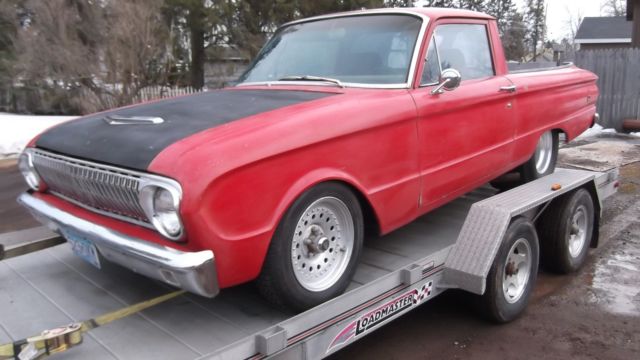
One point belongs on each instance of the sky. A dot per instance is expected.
(559, 13)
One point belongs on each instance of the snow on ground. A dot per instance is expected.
(636, 134)
(17, 130)
(595, 131)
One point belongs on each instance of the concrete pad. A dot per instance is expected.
(600, 154)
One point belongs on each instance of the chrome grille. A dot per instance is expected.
(98, 187)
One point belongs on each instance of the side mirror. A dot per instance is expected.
(450, 79)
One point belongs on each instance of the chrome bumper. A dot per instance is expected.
(192, 271)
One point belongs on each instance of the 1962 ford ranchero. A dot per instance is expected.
(365, 118)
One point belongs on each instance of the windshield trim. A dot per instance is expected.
(414, 59)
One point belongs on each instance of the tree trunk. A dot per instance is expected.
(635, 42)
(197, 57)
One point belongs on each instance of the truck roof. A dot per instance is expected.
(437, 13)
(431, 12)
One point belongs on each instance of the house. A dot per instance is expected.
(633, 7)
(604, 32)
(224, 65)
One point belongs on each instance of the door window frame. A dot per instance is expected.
(430, 36)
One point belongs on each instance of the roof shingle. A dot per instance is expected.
(593, 28)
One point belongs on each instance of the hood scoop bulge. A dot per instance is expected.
(132, 120)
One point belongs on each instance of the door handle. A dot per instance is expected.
(509, 88)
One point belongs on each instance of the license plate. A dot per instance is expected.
(83, 248)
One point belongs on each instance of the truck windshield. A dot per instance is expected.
(368, 50)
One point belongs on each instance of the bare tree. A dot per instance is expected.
(137, 51)
(572, 24)
(573, 21)
(9, 16)
(92, 55)
(614, 7)
(536, 19)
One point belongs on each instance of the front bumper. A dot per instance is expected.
(192, 271)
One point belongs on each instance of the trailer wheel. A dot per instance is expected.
(315, 249)
(566, 229)
(513, 273)
(543, 161)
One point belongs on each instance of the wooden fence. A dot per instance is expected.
(619, 82)
(154, 93)
(34, 100)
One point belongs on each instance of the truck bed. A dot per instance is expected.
(519, 68)
(53, 287)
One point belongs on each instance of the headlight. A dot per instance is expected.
(25, 164)
(161, 203)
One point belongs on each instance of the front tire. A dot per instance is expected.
(543, 161)
(513, 274)
(315, 249)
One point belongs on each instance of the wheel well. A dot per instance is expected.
(371, 224)
(561, 133)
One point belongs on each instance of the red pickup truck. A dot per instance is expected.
(343, 125)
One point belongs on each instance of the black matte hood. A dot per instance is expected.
(135, 145)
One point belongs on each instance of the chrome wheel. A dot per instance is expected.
(322, 244)
(578, 231)
(516, 271)
(544, 153)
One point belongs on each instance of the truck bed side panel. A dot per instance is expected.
(563, 99)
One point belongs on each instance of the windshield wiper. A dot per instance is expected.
(312, 78)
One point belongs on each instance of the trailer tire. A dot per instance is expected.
(543, 161)
(315, 249)
(566, 230)
(508, 290)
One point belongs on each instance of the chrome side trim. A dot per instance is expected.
(192, 271)
(414, 61)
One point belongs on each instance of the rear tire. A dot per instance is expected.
(543, 161)
(315, 249)
(566, 230)
(513, 274)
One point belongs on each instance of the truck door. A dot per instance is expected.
(466, 134)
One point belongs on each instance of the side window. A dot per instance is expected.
(464, 47)
(431, 72)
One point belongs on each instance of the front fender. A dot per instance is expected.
(240, 211)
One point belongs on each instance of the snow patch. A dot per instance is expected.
(18, 130)
(595, 130)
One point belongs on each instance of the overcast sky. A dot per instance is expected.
(560, 11)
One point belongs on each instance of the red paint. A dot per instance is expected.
(395, 147)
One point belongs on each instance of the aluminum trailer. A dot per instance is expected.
(452, 247)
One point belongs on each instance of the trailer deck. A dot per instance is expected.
(53, 287)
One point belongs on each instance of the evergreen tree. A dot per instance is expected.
(535, 18)
(200, 19)
(475, 5)
(504, 12)
(319, 7)
(513, 37)
(248, 23)
(398, 3)
(437, 3)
